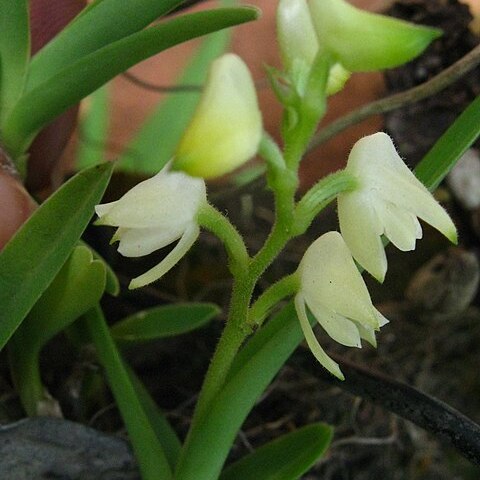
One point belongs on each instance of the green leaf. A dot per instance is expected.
(165, 434)
(148, 450)
(164, 321)
(154, 145)
(32, 258)
(70, 85)
(14, 51)
(254, 368)
(77, 287)
(286, 458)
(112, 285)
(450, 147)
(98, 25)
(93, 130)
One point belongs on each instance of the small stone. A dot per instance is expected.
(446, 285)
(53, 448)
(464, 180)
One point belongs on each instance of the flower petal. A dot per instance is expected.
(367, 334)
(400, 226)
(168, 198)
(337, 326)
(361, 230)
(410, 194)
(327, 271)
(102, 210)
(312, 342)
(180, 249)
(385, 176)
(137, 242)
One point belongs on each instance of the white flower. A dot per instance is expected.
(388, 200)
(334, 291)
(226, 128)
(364, 41)
(154, 214)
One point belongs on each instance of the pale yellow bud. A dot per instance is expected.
(226, 128)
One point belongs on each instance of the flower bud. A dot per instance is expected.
(365, 41)
(295, 32)
(226, 127)
(299, 45)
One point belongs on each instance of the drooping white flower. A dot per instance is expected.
(388, 200)
(152, 215)
(334, 291)
(226, 128)
(365, 41)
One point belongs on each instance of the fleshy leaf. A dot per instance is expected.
(164, 321)
(32, 258)
(286, 458)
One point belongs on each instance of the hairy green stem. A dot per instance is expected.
(210, 218)
(319, 196)
(269, 298)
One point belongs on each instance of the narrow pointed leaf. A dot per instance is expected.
(30, 261)
(14, 51)
(148, 450)
(450, 147)
(93, 129)
(164, 321)
(286, 458)
(98, 25)
(163, 430)
(70, 85)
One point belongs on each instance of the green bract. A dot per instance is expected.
(364, 41)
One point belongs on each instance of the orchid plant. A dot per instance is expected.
(378, 198)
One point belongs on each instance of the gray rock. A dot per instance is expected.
(52, 448)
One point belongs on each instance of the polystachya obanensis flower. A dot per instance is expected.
(226, 127)
(152, 215)
(334, 291)
(387, 201)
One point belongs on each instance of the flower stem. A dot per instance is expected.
(210, 218)
(319, 196)
(270, 297)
